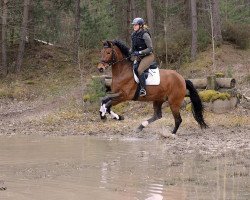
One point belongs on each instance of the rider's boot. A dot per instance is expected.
(142, 84)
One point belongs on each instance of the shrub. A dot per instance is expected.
(95, 90)
(203, 39)
(238, 34)
(178, 46)
(212, 95)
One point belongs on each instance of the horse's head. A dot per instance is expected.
(107, 56)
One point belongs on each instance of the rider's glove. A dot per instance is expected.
(136, 53)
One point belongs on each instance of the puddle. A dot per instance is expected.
(91, 168)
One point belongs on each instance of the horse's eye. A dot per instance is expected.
(108, 53)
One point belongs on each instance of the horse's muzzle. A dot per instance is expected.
(101, 67)
(101, 70)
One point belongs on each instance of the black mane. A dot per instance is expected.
(124, 49)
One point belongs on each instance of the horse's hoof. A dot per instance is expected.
(139, 129)
(168, 135)
(103, 118)
(121, 117)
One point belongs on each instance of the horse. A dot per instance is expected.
(172, 88)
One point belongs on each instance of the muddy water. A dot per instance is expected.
(91, 168)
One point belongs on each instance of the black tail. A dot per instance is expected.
(197, 107)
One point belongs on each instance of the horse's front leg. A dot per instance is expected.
(107, 103)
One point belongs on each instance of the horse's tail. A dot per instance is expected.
(197, 107)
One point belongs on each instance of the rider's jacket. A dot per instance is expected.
(138, 43)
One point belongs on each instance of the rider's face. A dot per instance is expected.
(136, 27)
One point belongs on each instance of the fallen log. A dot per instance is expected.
(199, 83)
(226, 82)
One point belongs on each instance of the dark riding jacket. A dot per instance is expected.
(141, 41)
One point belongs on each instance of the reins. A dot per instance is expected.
(114, 61)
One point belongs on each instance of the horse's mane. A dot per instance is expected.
(124, 49)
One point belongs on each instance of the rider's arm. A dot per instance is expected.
(149, 44)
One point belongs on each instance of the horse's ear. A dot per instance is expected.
(110, 43)
(105, 43)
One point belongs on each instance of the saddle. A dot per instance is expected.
(152, 74)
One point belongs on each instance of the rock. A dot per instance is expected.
(221, 106)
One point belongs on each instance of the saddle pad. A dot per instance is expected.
(153, 77)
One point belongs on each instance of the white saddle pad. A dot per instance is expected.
(153, 77)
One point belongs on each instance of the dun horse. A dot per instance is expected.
(172, 87)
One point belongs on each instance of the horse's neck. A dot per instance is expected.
(122, 70)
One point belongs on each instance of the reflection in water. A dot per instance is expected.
(104, 173)
(90, 168)
(155, 192)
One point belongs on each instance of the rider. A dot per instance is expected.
(142, 48)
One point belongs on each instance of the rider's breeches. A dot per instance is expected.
(145, 63)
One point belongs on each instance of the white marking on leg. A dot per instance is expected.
(103, 109)
(145, 123)
(114, 115)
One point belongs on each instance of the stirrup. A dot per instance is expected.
(143, 92)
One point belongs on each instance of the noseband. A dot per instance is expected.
(114, 59)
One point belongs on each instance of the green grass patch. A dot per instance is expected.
(95, 90)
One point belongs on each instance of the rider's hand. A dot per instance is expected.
(136, 53)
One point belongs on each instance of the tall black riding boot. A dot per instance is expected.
(142, 84)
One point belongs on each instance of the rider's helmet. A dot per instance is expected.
(138, 21)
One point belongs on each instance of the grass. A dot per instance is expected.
(94, 91)
(46, 71)
(15, 90)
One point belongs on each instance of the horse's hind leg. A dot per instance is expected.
(175, 108)
(157, 115)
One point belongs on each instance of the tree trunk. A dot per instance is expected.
(12, 35)
(3, 69)
(216, 22)
(133, 10)
(31, 25)
(128, 20)
(76, 31)
(212, 35)
(150, 16)
(23, 35)
(194, 29)
(166, 32)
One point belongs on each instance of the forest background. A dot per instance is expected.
(179, 28)
(42, 38)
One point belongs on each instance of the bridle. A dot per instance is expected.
(114, 58)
